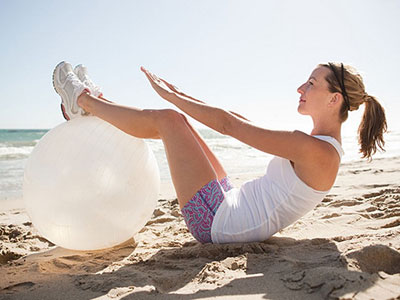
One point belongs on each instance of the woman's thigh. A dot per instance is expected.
(189, 166)
(217, 166)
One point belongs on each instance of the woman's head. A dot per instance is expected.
(316, 97)
(344, 92)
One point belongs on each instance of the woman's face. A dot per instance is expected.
(314, 94)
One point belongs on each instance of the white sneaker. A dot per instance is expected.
(81, 72)
(69, 87)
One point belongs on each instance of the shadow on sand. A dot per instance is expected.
(279, 268)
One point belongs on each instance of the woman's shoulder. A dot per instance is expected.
(321, 162)
(332, 141)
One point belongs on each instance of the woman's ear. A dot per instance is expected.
(335, 99)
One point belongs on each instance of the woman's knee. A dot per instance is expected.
(170, 118)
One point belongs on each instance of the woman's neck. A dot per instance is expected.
(326, 127)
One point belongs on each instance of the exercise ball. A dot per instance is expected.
(88, 185)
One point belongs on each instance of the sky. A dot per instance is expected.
(245, 56)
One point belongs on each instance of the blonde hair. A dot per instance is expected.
(373, 123)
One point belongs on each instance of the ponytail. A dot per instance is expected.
(372, 127)
(351, 86)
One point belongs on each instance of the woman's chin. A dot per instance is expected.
(301, 110)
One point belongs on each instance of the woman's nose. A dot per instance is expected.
(300, 89)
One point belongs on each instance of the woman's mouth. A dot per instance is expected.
(302, 100)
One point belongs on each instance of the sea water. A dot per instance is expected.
(236, 157)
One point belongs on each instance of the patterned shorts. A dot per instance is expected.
(199, 212)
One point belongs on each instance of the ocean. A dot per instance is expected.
(236, 157)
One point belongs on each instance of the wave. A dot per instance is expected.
(9, 153)
(16, 144)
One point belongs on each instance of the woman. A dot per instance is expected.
(297, 179)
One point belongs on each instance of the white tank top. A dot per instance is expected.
(263, 206)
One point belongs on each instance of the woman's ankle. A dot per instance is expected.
(82, 100)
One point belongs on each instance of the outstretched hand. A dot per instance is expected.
(164, 88)
(168, 91)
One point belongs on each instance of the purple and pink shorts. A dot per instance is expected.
(199, 212)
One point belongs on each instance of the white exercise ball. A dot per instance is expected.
(89, 185)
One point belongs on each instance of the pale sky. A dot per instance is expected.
(247, 56)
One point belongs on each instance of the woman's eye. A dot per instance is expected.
(311, 83)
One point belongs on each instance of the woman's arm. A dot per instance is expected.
(211, 116)
(232, 112)
(295, 146)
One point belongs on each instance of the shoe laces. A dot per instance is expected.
(89, 83)
(87, 80)
(74, 80)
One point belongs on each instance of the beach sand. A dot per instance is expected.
(346, 248)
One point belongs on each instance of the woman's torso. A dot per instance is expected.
(265, 205)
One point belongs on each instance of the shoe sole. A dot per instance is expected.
(61, 92)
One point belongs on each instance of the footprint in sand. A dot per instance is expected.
(7, 256)
(392, 224)
(340, 203)
(384, 205)
(374, 186)
(358, 171)
(329, 216)
(375, 258)
(395, 191)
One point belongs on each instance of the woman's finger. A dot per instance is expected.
(169, 85)
(149, 75)
(153, 83)
(156, 78)
(173, 87)
(146, 73)
(162, 82)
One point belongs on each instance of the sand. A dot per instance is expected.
(347, 248)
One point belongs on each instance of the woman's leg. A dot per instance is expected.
(219, 169)
(189, 165)
(122, 117)
(217, 166)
